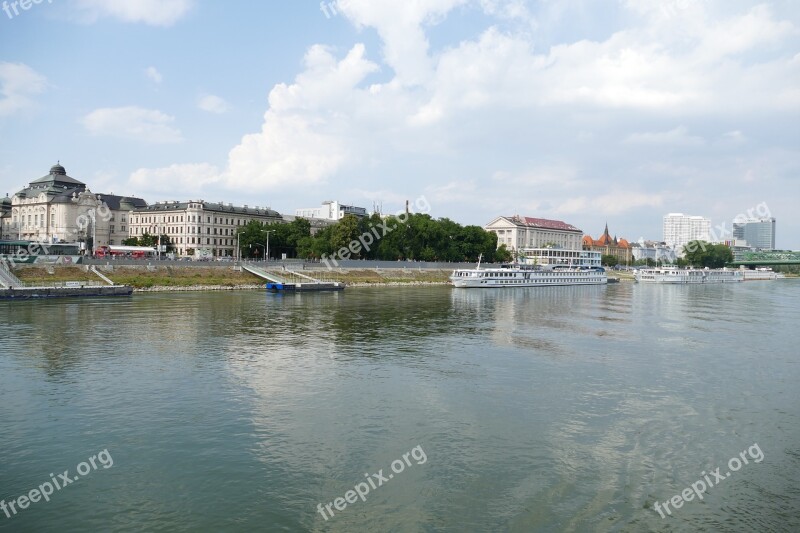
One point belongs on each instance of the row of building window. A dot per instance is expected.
(154, 230)
(167, 219)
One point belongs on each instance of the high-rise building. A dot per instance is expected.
(758, 233)
(680, 229)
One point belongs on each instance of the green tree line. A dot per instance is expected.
(406, 237)
(151, 241)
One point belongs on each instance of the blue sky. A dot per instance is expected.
(587, 111)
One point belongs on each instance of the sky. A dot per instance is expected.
(586, 111)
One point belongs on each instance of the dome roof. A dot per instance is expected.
(58, 169)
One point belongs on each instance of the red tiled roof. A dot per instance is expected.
(544, 223)
(603, 240)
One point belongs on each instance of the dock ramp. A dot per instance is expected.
(289, 280)
(7, 278)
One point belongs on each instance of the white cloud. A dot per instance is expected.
(189, 179)
(735, 136)
(676, 136)
(510, 9)
(299, 143)
(610, 203)
(212, 104)
(154, 75)
(151, 12)
(18, 84)
(400, 26)
(135, 123)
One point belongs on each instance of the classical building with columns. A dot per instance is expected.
(59, 208)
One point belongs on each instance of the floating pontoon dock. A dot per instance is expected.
(291, 280)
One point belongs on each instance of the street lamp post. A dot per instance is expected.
(266, 253)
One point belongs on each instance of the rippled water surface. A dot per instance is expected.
(544, 409)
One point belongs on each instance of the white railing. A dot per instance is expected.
(7, 278)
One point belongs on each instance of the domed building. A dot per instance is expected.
(606, 245)
(59, 208)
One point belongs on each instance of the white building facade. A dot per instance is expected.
(653, 250)
(199, 228)
(680, 229)
(520, 233)
(330, 210)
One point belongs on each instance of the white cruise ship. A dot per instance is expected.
(526, 276)
(672, 275)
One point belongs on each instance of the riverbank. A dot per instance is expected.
(150, 278)
(171, 278)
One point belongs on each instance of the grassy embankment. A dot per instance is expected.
(141, 277)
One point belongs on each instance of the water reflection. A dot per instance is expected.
(539, 409)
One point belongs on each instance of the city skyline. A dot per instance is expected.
(578, 111)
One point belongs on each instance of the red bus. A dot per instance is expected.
(134, 252)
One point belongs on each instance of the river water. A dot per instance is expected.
(539, 409)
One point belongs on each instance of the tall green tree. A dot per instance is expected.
(609, 260)
(702, 254)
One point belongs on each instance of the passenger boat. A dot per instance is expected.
(676, 276)
(761, 274)
(514, 275)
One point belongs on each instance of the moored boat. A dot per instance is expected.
(762, 274)
(513, 275)
(677, 276)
